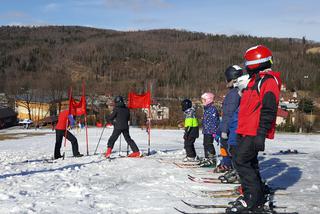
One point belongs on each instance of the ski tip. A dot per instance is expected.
(180, 211)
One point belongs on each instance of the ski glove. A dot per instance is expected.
(186, 136)
(232, 150)
(224, 135)
(259, 141)
(71, 120)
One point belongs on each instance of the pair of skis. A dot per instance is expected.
(122, 156)
(234, 193)
(209, 180)
(187, 165)
(267, 210)
(190, 165)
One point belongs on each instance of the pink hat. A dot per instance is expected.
(208, 97)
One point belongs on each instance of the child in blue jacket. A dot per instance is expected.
(210, 124)
(230, 104)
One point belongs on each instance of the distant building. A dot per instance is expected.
(159, 112)
(289, 105)
(3, 100)
(281, 116)
(8, 117)
(40, 108)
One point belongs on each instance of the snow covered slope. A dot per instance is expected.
(151, 184)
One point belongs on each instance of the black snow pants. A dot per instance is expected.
(189, 147)
(70, 137)
(247, 165)
(125, 132)
(209, 151)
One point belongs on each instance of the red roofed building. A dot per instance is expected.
(281, 116)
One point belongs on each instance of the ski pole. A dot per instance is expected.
(120, 147)
(127, 149)
(95, 152)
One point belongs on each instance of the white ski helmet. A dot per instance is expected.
(242, 82)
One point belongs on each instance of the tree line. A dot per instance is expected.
(176, 63)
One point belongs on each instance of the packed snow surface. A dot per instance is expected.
(152, 184)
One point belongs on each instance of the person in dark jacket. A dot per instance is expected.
(256, 122)
(120, 117)
(61, 126)
(210, 125)
(232, 176)
(240, 84)
(191, 130)
(229, 106)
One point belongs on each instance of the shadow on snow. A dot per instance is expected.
(279, 174)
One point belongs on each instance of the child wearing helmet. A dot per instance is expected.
(191, 131)
(256, 122)
(232, 176)
(229, 106)
(210, 125)
(120, 117)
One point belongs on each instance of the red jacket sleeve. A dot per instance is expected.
(269, 94)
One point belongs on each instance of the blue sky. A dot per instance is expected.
(270, 18)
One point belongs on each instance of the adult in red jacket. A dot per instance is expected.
(256, 122)
(60, 133)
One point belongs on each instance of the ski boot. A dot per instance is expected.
(238, 190)
(230, 177)
(231, 203)
(238, 206)
(134, 155)
(57, 156)
(78, 155)
(191, 159)
(208, 162)
(241, 206)
(108, 153)
(222, 169)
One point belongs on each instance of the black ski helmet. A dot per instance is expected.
(118, 99)
(233, 72)
(186, 104)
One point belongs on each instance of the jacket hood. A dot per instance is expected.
(275, 74)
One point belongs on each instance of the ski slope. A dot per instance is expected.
(151, 184)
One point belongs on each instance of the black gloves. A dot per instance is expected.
(185, 137)
(259, 142)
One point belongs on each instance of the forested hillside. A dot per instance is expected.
(177, 63)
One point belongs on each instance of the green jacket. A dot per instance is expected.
(191, 124)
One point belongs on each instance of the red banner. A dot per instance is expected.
(78, 107)
(139, 100)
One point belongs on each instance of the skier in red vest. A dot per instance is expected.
(60, 133)
(256, 122)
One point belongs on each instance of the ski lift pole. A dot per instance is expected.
(95, 151)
